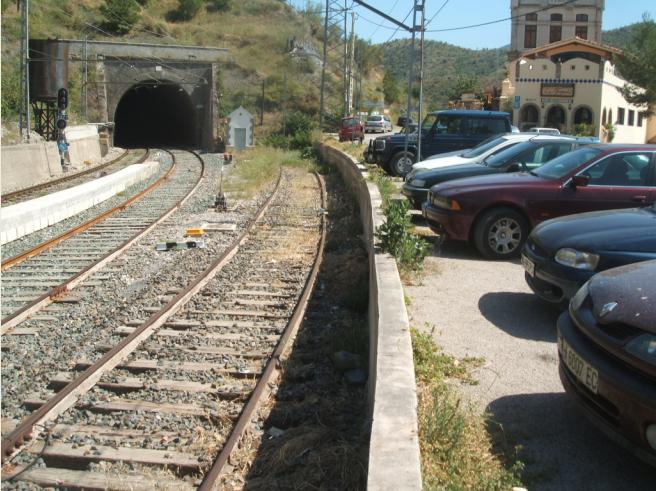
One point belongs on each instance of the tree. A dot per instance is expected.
(391, 89)
(637, 65)
(120, 15)
(464, 84)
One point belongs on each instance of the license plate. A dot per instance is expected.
(529, 265)
(582, 370)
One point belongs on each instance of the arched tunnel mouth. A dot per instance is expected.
(155, 114)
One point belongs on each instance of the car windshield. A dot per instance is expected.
(483, 147)
(563, 165)
(375, 118)
(501, 158)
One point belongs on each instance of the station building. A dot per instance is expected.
(569, 82)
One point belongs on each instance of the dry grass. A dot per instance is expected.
(460, 449)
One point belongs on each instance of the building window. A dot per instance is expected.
(603, 117)
(587, 68)
(581, 17)
(531, 17)
(631, 117)
(583, 115)
(620, 115)
(582, 32)
(573, 67)
(610, 116)
(555, 33)
(556, 17)
(530, 36)
(640, 120)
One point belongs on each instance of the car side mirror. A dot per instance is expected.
(580, 181)
(514, 167)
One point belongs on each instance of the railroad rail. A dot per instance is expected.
(73, 179)
(173, 397)
(44, 273)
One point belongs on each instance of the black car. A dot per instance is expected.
(524, 156)
(440, 132)
(402, 120)
(562, 254)
(607, 352)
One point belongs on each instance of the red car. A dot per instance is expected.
(496, 212)
(352, 129)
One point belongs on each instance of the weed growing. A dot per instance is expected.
(457, 452)
(396, 237)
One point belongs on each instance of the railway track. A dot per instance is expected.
(128, 157)
(33, 279)
(163, 399)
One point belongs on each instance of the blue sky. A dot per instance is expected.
(458, 13)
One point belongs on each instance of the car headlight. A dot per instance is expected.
(418, 183)
(579, 297)
(643, 347)
(443, 202)
(577, 259)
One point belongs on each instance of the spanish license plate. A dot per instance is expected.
(582, 370)
(529, 265)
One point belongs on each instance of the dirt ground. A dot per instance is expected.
(485, 309)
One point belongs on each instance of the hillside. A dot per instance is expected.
(257, 33)
(446, 65)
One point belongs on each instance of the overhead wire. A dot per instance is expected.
(436, 13)
(398, 27)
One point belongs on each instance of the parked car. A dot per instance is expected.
(412, 128)
(562, 254)
(523, 156)
(497, 212)
(378, 123)
(479, 153)
(607, 353)
(441, 131)
(545, 131)
(402, 120)
(352, 128)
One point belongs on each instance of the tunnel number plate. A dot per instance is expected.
(582, 370)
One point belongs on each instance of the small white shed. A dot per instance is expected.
(240, 129)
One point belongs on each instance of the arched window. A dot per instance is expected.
(603, 116)
(556, 117)
(583, 115)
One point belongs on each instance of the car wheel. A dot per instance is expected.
(500, 233)
(401, 163)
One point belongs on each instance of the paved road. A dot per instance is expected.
(485, 309)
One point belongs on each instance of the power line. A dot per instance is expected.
(438, 12)
(378, 27)
(501, 20)
(398, 27)
(390, 28)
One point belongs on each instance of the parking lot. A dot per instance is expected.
(483, 308)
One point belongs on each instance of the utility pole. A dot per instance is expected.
(24, 117)
(85, 78)
(262, 106)
(284, 105)
(350, 93)
(406, 158)
(323, 66)
(344, 67)
(421, 78)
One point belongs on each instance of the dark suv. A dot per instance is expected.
(441, 131)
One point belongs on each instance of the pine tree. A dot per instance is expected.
(120, 15)
(637, 65)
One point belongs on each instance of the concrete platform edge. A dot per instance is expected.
(394, 457)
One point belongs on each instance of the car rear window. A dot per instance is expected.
(375, 118)
(346, 123)
(485, 126)
(563, 165)
(483, 147)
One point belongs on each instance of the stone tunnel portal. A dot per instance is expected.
(154, 114)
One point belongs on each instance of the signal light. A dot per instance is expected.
(61, 123)
(62, 99)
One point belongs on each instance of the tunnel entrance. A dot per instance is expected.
(155, 115)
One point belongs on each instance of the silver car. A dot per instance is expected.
(378, 123)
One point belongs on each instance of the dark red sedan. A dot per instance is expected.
(497, 212)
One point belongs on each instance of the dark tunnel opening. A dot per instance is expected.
(155, 115)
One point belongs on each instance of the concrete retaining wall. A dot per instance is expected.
(84, 145)
(23, 218)
(28, 164)
(394, 459)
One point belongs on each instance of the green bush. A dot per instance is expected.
(187, 10)
(11, 100)
(221, 5)
(396, 237)
(120, 15)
